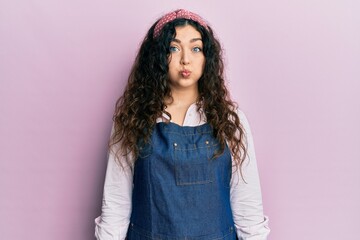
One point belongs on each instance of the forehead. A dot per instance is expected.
(186, 33)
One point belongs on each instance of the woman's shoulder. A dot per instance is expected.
(241, 114)
(243, 120)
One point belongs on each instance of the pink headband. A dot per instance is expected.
(180, 13)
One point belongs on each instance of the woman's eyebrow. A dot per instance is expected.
(192, 40)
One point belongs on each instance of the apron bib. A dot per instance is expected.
(180, 191)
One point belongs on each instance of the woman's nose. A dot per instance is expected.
(185, 58)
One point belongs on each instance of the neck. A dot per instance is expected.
(183, 97)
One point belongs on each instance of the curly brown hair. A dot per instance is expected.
(142, 102)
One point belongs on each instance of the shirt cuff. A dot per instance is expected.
(259, 231)
(106, 232)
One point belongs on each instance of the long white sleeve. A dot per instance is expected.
(246, 198)
(116, 204)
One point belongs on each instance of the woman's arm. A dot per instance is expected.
(116, 204)
(246, 199)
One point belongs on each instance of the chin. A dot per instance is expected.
(188, 84)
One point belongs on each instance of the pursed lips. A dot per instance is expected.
(185, 73)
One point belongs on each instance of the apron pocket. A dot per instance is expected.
(197, 173)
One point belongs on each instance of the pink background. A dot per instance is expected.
(293, 66)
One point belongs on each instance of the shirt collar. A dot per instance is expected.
(193, 117)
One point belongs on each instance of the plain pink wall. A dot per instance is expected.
(293, 66)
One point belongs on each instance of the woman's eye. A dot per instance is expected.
(197, 49)
(173, 49)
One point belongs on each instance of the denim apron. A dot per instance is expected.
(180, 192)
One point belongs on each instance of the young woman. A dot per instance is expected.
(181, 156)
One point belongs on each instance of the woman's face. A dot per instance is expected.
(187, 60)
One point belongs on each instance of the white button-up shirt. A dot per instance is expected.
(246, 199)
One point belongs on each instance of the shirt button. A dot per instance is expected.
(175, 144)
(206, 142)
